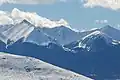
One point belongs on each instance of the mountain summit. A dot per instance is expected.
(111, 31)
(96, 41)
(16, 16)
(15, 32)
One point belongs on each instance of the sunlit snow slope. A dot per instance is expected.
(14, 67)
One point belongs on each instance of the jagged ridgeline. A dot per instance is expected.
(93, 53)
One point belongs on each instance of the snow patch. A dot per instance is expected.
(17, 16)
(14, 67)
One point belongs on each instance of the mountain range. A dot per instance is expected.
(93, 53)
(59, 35)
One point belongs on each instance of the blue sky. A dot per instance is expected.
(74, 12)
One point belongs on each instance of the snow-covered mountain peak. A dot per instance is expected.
(25, 22)
(17, 31)
(15, 12)
(107, 27)
(95, 40)
(16, 16)
(111, 31)
(96, 34)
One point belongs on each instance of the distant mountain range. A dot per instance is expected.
(93, 53)
(99, 49)
(20, 24)
(60, 35)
